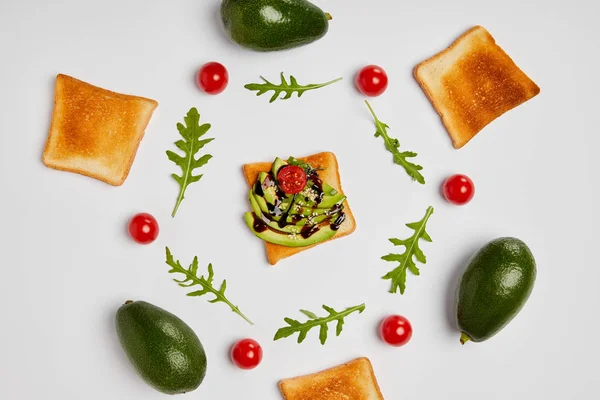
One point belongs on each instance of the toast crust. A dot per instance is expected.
(354, 380)
(479, 84)
(95, 132)
(331, 175)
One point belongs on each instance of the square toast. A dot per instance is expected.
(95, 132)
(329, 174)
(354, 380)
(472, 83)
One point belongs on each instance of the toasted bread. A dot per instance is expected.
(354, 380)
(329, 174)
(95, 132)
(472, 83)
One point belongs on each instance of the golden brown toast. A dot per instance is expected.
(330, 174)
(472, 83)
(352, 381)
(95, 132)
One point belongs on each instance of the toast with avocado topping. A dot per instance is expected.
(354, 380)
(472, 83)
(297, 212)
(95, 132)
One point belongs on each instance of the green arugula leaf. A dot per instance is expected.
(285, 87)
(398, 275)
(192, 279)
(393, 146)
(304, 165)
(190, 145)
(314, 321)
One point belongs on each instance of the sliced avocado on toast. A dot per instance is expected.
(308, 217)
(291, 239)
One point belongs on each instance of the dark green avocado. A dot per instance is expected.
(271, 25)
(165, 350)
(495, 286)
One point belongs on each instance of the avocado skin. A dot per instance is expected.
(271, 25)
(495, 286)
(165, 350)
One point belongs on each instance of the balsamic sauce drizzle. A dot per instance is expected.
(316, 185)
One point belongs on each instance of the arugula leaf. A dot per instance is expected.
(304, 165)
(190, 145)
(192, 279)
(285, 87)
(411, 245)
(314, 321)
(393, 146)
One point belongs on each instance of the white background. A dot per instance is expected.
(67, 263)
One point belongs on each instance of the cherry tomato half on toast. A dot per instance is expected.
(212, 78)
(372, 81)
(395, 330)
(246, 354)
(459, 189)
(143, 228)
(292, 179)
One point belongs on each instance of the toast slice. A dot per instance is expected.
(352, 381)
(472, 83)
(95, 132)
(329, 174)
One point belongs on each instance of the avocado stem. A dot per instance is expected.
(129, 302)
(464, 338)
(328, 16)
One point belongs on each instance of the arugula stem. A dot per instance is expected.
(218, 294)
(179, 200)
(380, 127)
(320, 85)
(185, 177)
(311, 323)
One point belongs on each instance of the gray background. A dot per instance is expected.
(67, 263)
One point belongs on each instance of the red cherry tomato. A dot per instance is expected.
(246, 354)
(213, 78)
(372, 80)
(292, 179)
(395, 330)
(143, 228)
(459, 189)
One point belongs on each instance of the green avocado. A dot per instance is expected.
(328, 201)
(269, 192)
(289, 240)
(277, 165)
(306, 207)
(270, 25)
(165, 351)
(494, 287)
(318, 215)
